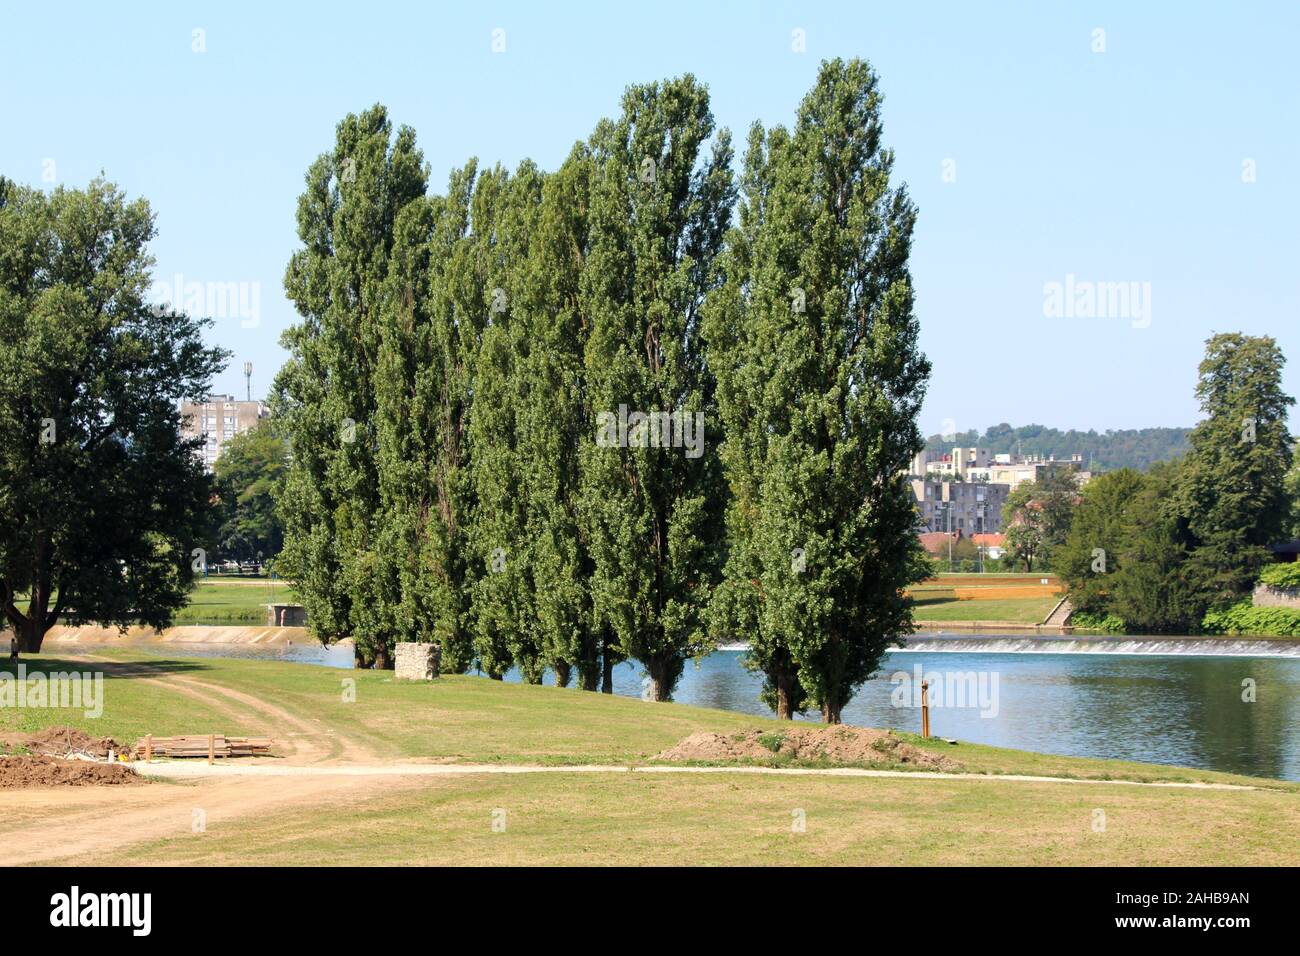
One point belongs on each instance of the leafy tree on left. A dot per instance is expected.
(101, 500)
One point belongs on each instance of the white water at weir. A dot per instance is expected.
(1181, 646)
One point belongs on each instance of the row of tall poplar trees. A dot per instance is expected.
(458, 354)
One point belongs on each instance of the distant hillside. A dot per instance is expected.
(1103, 451)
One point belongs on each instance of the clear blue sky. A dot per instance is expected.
(1117, 166)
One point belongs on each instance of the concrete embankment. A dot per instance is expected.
(64, 634)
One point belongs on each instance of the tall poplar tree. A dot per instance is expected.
(814, 342)
(553, 425)
(325, 393)
(660, 207)
(430, 340)
(505, 621)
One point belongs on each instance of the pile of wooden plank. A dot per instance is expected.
(202, 745)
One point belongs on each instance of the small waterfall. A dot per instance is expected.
(1182, 646)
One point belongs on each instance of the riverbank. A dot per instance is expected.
(990, 813)
(92, 634)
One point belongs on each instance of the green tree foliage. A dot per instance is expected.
(1192, 535)
(1293, 495)
(534, 477)
(101, 500)
(1099, 535)
(813, 341)
(553, 427)
(325, 394)
(1037, 517)
(1232, 496)
(660, 206)
(1281, 575)
(432, 322)
(1136, 448)
(1151, 591)
(505, 217)
(249, 473)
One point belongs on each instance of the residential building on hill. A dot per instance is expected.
(981, 465)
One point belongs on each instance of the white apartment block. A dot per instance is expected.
(217, 420)
(980, 465)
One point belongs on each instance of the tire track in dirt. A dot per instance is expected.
(308, 743)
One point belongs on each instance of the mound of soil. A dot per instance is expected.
(814, 744)
(62, 741)
(21, 772)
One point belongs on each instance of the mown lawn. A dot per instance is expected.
(131, 707)
(644, 817)
(476, 720)
(679, 819)
(942, 606)
(233, 601)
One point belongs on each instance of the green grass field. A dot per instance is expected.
(471, 719)
(662, 820)
(609, 818)
(939, 607)
(233, 601)
(227, 600)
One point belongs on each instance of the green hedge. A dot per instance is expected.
(1281, 575)
(1244, 618)
(1106, 623)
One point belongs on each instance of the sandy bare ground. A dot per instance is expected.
(47, 825)
(50, 826)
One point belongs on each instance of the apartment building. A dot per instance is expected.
(966, 507)
(981, 465)
(1015, 471)
(216, 420)
(960, 463)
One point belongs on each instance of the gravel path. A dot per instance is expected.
(189, 770)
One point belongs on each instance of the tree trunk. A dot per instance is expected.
(785, 695)
(660, 690)
(31, 635)
(607, 673)
(563, 674)
(383, 662)
(831, 713)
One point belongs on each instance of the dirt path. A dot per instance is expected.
(196, 770)
(45, 826)
(306, 741)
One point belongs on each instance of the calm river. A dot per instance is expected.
(1178, 707)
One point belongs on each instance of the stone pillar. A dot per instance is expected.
(417, 661)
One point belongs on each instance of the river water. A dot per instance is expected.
(1218, 706)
